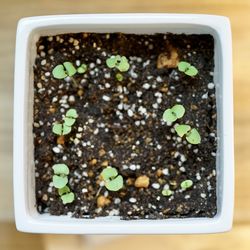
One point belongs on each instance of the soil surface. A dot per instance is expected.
(120, 125)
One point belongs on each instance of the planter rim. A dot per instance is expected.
(26, 217)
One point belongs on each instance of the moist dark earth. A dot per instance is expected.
(120, 125)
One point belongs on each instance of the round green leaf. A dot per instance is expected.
(109, 173)
(68, 121)
(119, 77)
(59, 72)
(166, 192)
(169, 116)
(193, 136)
(71, 113)
(61, 168)
(70, 69)
(82, 69)
(115, 184)
(57, 129)
(191, 71)
(60, 181)
(186, 184)
(178, 110)
(68, 198)
(123, 65)
(63, 190)
(183, 66)
(182, 129)
(66, 129)
(111, 62)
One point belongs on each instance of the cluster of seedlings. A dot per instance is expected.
(125, 125)
(112, 180)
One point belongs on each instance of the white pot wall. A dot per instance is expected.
(28, 32)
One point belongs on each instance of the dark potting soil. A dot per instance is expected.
(120, 125)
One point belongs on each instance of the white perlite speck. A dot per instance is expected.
(84, 190)
(132, 167)
(156, 185)
(205, 96)
(203, 195)
(106, 98)
(210, 85)
(130, 113)
(56, 150)
(146, 86)
(132, 200)
(165, 171)
(43, 62)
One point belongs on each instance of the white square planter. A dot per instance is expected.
(28, 32)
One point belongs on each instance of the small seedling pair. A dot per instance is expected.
(192, 135)
(184, 185)
(67, 69)
(113, 181)
(120, 63)
(187, 68)
(60, 180)
(176, 112)
(68, 121)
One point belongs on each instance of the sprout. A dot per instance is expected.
(172, 114)
(193, 137)
(63, 70)
(113, 181)
(186, 184)
(187, 68)
(119, 77)
(68, 198)
(61, 129)
(63, 190)
(68, 69)
(166, 192)
(119, 62)
(60, 180)
(182, 129)
(61, 169)
(82, 69)
(72, 113)
(69, 120)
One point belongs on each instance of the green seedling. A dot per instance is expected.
(192, 135)
(82, 69)
(64, 190)
(187, 68)
(65, 127)
(166, 192)
(63, 70)
(66, 195)
(118, 62)
(113, 181)
(68, 198)
(186, 184)
(119, 77)
(61, 129)
(66, 69)
(174, 113)
(60, 180)
(182, 130)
